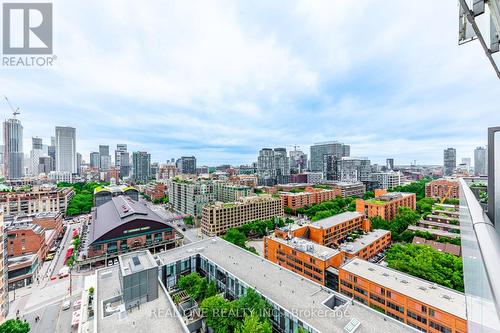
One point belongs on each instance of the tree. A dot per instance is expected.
(369, 195)
(188, 220)
(236, 237)
(253, 303)
(194, 285)
(424, 206)
(14, 326)
(417, 187)
(218, 314)
(424, 262)
(252, 324)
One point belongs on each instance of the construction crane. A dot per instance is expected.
(15, 111)
(443, 199)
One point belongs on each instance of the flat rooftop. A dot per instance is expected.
(154, 316)
(363, 241)
(313, 249)
(429, 293)
(287, 289)
(434, 231)
(335, 220)
(136, 261)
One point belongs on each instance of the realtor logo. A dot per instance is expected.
(27, 28)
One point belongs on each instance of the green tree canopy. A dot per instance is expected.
(14, 326)
(252, 324)
(219, 314)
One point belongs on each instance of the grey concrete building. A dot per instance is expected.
(13, 148)
(481, 161)
(449, 161)
(142, 166)
(65, 143)
(319, 150)
(273, 167)
(186, 165)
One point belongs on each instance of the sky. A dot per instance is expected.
(222, 79)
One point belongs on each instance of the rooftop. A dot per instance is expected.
(316, 250)
(441, 247)
(363, 241)
(136, 261)
(335, 220)
(285, 288)
(152, 316)
(387, 197)
(434, 231)
(429, 293)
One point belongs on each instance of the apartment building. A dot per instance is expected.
(155, 190)
(36, 200)
(306, 258)
(420, 304)
(387, 180)
(367, 245)
(356, 189)
(442, 188)
(308, 196)
(386, 205)
(219, 217)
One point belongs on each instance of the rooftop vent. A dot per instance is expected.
(422, 288)
(404, 281)
(385, 274)
(371, 269)
(446, 297)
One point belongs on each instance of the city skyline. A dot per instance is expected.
(245, 81)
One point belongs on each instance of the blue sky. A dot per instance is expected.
(221, 79)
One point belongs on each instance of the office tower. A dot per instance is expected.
(346, 169)
(45, 165)
(122, 159)
(65, 149)
(78, 164)
(319, 150)
(105, 158)
(466, 162)
(51, 151)
(449, 161)
(273, 166)
(186, 165)
(13, 148)
(35, 154)
(481, 161)
(298, 161)
(389, 163)
(95, 159)
(142, 166)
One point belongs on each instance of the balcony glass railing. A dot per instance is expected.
(481, 261)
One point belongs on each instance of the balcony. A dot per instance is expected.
(480, 255)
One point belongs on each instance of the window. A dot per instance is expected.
(432, 313)
(396, 307)
(439, 327)
(416, 317)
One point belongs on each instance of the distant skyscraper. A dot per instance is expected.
(13, 148)
(78, 164)
(319, 150)
(273, 166)
(390, 163)
(95, 159)
(346, 169)
(65, 149)
(142, 166)
(449, 161)
(45, 165)
(466, 161)
(187, 165)
(298, 160)
(35, 154)
(105, 162)
(481, 161)
(122, 159)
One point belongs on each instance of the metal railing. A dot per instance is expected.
(481, 264)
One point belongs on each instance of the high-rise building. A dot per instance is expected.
(142, 166)
(273, 166)
(65, 149)
(186, 165)
(466, 161)
(95, 159)
(449, 161)
(35, 154)
(319, 150)
(389, 163)
(45, 165)
(105, 158)
(346, 169)
(13, 148)
(480, 161)
(387, 180)
(122, 159)
(78, 164)
(298, 161)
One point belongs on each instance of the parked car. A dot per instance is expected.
(66, 305)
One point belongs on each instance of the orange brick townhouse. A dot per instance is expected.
(309, 196)
(385, 204)
(420, 304)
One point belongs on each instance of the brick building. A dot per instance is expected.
(307, 197)
(420, 304)
(36, 200)
(386, 205)
(442, 188)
